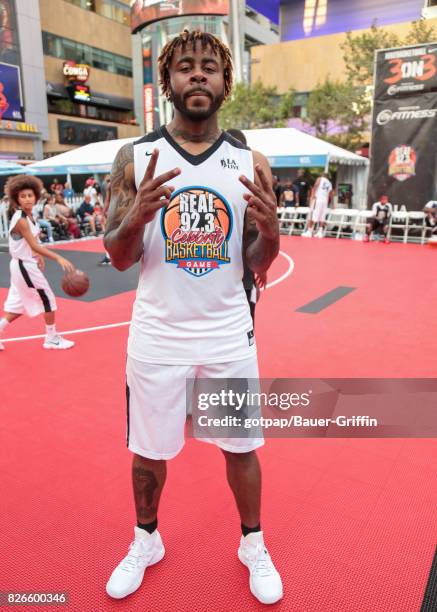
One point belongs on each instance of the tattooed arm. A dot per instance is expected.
(130, 210)
(261, 228)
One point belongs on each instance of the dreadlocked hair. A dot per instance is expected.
(18, 183)
(184, 39)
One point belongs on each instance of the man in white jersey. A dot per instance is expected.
(186, 200)
(321, 196)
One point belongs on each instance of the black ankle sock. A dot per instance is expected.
(149, 527)
(247, 530)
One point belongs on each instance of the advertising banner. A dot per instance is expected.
(404, 131)
(148, 107)
(405, 72)
(146, 11)
(11, 99)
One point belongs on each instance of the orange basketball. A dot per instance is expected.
(75, 283)
(172, 215)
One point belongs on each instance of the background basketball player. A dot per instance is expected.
(185, 200)
(30, 292)
(321, 196)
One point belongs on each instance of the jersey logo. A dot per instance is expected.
(197, 225)
(229, 164)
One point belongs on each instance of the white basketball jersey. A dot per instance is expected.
(323, 191)
(191, 307)
(19, 248)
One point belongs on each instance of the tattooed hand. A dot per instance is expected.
(261, 228)
(261, 202)
(130, 210)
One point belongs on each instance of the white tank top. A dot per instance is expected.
(323, 190)
(191, 307)
(19, 248)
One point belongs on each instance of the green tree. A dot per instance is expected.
(338, 112)
(256, 106)
(420, 32)
(359, 52)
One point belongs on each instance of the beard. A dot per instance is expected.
(200, 113)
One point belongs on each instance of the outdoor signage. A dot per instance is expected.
(404, 129)
(80, 93)
(148, 108)
(144, 12)
(11, 98)
(21, 126)
(78, 73)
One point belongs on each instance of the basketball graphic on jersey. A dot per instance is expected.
(197, 225)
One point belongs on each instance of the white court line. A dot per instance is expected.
(124, 323)
(284, 276)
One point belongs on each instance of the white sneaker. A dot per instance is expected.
(57, 342)
(2, 346)
(265, 582)
(307, 234)
(145, 550)
(320, 234)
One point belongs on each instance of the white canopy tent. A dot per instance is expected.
(89, 159)
(10, 167)
(290, 148)
(284, 148)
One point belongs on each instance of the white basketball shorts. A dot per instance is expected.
(30, 292)
(157, 406)
(319, 212)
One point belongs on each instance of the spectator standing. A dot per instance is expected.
(56, 187)
(105, 185)
(90, 191)
(289, 196)
(68, 191)
(303, 186)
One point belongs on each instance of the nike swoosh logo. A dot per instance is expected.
(149, 154)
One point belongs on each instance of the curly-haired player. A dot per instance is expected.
(188, 200)
(30, 292)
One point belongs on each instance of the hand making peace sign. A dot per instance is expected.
(262, 204)
(153, 194)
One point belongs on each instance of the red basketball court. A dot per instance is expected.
(350, 523)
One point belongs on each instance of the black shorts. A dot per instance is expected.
(378, 224)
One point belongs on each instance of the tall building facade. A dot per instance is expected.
(312, 32)
(72, 83)
(23, 106)
(78, 71)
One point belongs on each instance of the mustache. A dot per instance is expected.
(198, 90)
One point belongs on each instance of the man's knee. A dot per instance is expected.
(239, 457)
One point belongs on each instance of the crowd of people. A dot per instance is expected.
(61, 219)
(62, 216)
(318, 197)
